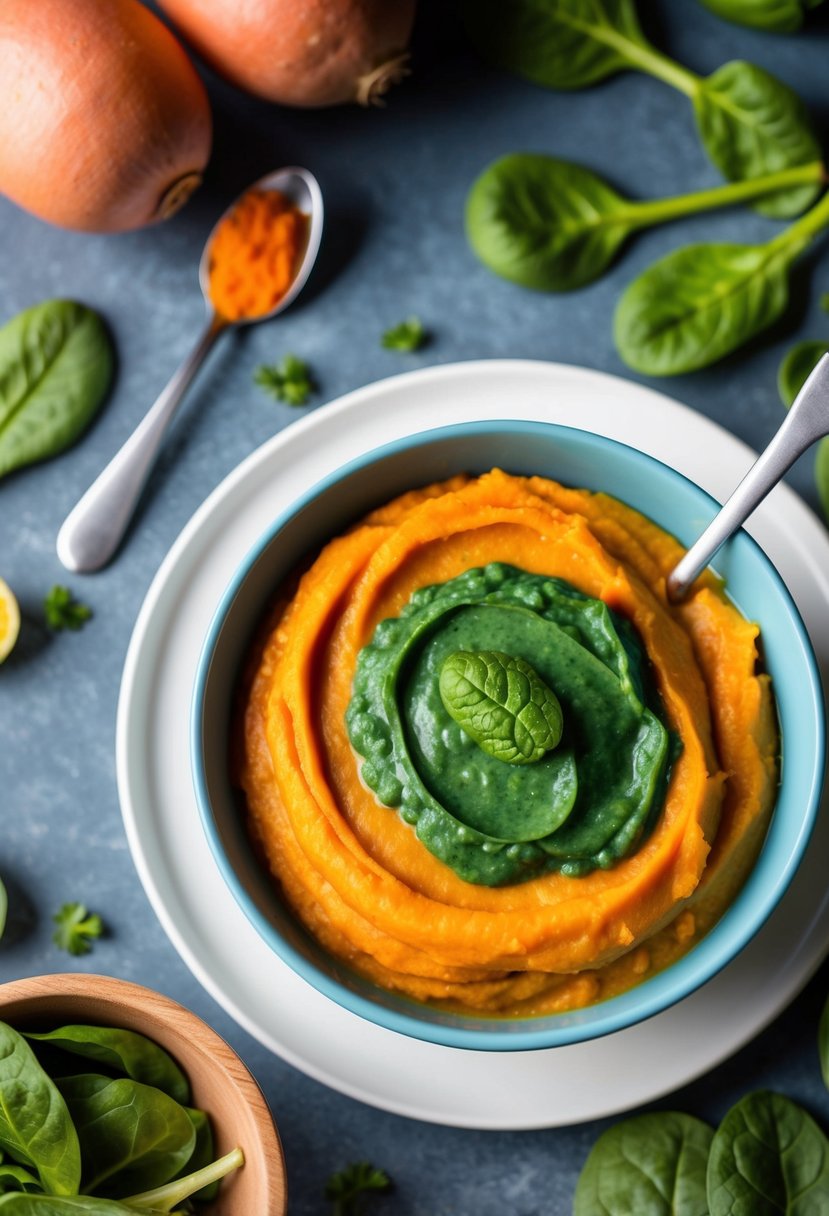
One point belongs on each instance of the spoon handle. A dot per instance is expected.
(94, 528)
(807, 420)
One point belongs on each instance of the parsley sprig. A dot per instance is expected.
(347, 1188)
(290, 380)
(63, 611)
(408, 336)
(76, 928)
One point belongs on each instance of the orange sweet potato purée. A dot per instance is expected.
(354, 871)
(254, 255)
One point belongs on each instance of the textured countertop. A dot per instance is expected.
(394, 181)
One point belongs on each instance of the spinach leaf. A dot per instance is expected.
(502, 703)
(752, 124)
(20, 1204)
(653, 1165)
(132, 1136)
(702, 302)
(794, 371)
(562, 44)
(56, 364)
(35, 1127)
(697, 305)
(555, 226)
(17, 1178)
(545, 223)
(776, 16)
(797, 366)
(123, 1051)
(768, 1157)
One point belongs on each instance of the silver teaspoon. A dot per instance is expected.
(94, 528)
(806, 421)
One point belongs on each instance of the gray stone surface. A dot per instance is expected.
(394, 182)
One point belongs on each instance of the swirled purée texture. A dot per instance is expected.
(356, 873)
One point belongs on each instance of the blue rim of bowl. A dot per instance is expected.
(744, 917)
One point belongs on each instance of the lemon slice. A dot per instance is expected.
(9, 620)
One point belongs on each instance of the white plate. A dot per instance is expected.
(443, 1085)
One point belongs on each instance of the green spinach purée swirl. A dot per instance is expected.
(587, 802)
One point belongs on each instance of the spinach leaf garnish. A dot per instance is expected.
(502, 703)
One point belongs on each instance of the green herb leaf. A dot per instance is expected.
(35, 1127)
(502, 703)
(752, 124)
(824, 301)
(408, 336)
(562, 44)
(132, 1136)
(768, 1157)
(63, 611)
(56, 364)
(651, 1165)
(288, 381)
(123, 1051)
(775, 16)
(76, 928)
(346, 1188)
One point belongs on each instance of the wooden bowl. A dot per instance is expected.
(221, 1084)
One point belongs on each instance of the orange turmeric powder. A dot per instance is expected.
(255, 254)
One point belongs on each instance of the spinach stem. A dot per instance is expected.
(657, 211)
(802, 232)
(640, 54)
(652, 61)
(164, 1198)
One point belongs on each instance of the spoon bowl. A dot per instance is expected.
(302, 190)
(95, 527)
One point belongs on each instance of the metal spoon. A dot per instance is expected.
(806, 421)
(95, 527)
